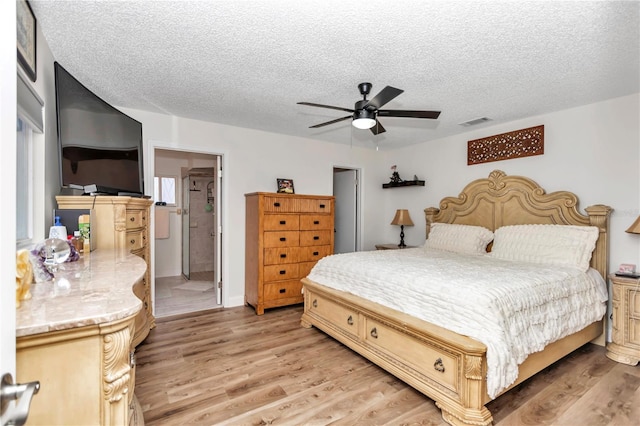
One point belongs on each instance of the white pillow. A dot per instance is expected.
(549, 244)
(465, 239)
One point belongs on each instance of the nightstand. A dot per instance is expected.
(391, 247)
(625, 337)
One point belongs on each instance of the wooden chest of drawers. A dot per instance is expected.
(286, 235)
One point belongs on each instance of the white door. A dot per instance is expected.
(8, 175)
(345, 190)
(218, 235)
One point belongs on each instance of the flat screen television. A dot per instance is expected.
(100, 147)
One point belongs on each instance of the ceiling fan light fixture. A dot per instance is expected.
(364, 123)
(363, 119)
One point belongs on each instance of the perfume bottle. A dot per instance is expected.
(78, 241)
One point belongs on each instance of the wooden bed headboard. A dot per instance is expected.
(501, 200)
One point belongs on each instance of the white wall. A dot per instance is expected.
(252, 161)
(592, 150)
(47, 171)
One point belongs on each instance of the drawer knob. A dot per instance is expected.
(283, 222)
(438, 365)
(316, 222)
(374, 333)
(350, 320)
(283, 290)
(283, 239)
(276, 204)
(283, 255)
(132, 219)
(315, 253)
(282, 273)
(315, 237)
(322, 206)
(315, 303)
(132, 241)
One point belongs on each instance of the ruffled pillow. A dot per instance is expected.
(549, 244)
(465, 239)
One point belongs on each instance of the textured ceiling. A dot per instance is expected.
(246, 63)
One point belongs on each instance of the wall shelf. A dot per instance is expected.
(403, 183)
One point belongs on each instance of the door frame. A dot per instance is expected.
(358, 226)
(222, 202)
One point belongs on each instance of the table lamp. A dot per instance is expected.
(635, 227)
(403, 219)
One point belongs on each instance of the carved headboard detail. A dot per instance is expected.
(501, 200)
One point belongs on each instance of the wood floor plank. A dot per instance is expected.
(607, 402)
(233, 367)
(566, 388)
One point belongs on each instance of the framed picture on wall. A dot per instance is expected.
(285, 186)
(26, 38)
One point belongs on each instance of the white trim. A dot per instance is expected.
(151, 147)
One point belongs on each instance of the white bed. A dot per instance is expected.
(476, 324)
(513, 308)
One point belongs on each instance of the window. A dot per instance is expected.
(24, 182)
(164, 190)
(29, 165)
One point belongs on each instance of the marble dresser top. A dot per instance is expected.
(96, 289)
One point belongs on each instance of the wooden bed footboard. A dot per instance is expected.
(445, 366)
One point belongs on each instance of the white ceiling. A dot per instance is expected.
(246, 63)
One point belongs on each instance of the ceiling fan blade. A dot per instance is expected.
(337, 120)
(408, 113)
(377, 128)
(385, 95)
(325, 106)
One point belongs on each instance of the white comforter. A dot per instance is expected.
(514, 308)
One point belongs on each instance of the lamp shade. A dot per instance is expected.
(635, 227)
(402, 218)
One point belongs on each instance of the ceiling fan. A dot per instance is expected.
(365, 113)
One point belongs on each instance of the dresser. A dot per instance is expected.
(121, 224)
(286, 235)
(625, 336)
(75, 336)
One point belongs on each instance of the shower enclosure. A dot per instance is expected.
(199, 226)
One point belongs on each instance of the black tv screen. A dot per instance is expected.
(98, 144)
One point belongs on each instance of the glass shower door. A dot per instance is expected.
(185, 227)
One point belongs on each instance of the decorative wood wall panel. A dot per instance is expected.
(519, 143)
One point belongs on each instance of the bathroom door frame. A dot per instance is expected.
(222, 273)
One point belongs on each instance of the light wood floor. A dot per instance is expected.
(233, 367)
(177, 295)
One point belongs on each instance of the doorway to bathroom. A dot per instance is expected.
(188, 254)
